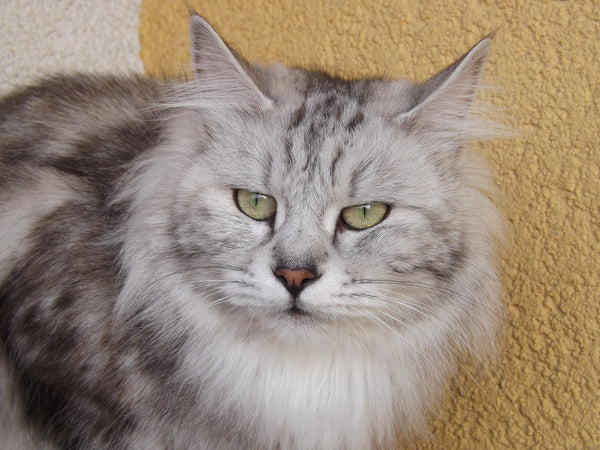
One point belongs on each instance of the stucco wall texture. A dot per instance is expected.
(544, 389)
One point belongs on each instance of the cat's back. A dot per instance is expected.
(65, 142)
(58, 116)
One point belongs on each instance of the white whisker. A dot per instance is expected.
(412, 284)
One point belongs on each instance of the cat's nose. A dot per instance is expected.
(294, 280)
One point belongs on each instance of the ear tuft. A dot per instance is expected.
(218, 74)
(443, 102)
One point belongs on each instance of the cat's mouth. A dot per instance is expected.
(297, 312)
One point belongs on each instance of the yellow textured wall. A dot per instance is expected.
(544, 391)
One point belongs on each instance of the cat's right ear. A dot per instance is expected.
(218, 72)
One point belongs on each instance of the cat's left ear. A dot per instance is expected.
(443, 102)
(221, 75)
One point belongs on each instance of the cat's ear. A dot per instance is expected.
(443, 102)
(219, 73)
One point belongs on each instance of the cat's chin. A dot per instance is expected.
(295, 324)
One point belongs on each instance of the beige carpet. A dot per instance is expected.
(45, 36)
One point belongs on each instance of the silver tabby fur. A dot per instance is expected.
(138, 305)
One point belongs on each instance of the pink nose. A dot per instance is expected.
(294, 279)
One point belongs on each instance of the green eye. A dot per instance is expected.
(255, 205)
(360, 217)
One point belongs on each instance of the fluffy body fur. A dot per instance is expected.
(139, 307)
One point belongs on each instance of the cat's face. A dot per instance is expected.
(306, 200)
(349, 202)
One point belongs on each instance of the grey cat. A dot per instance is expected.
(260, 257)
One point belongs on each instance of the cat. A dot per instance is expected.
(256, 257)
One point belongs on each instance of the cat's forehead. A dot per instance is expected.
(337, 132)
(322, 94)
(324, 113)
(324, 138)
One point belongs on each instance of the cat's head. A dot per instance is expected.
(305, 201)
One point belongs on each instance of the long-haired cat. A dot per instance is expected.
(258, 258)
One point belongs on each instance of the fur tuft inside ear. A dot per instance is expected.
(218, 73)
(444, 102)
